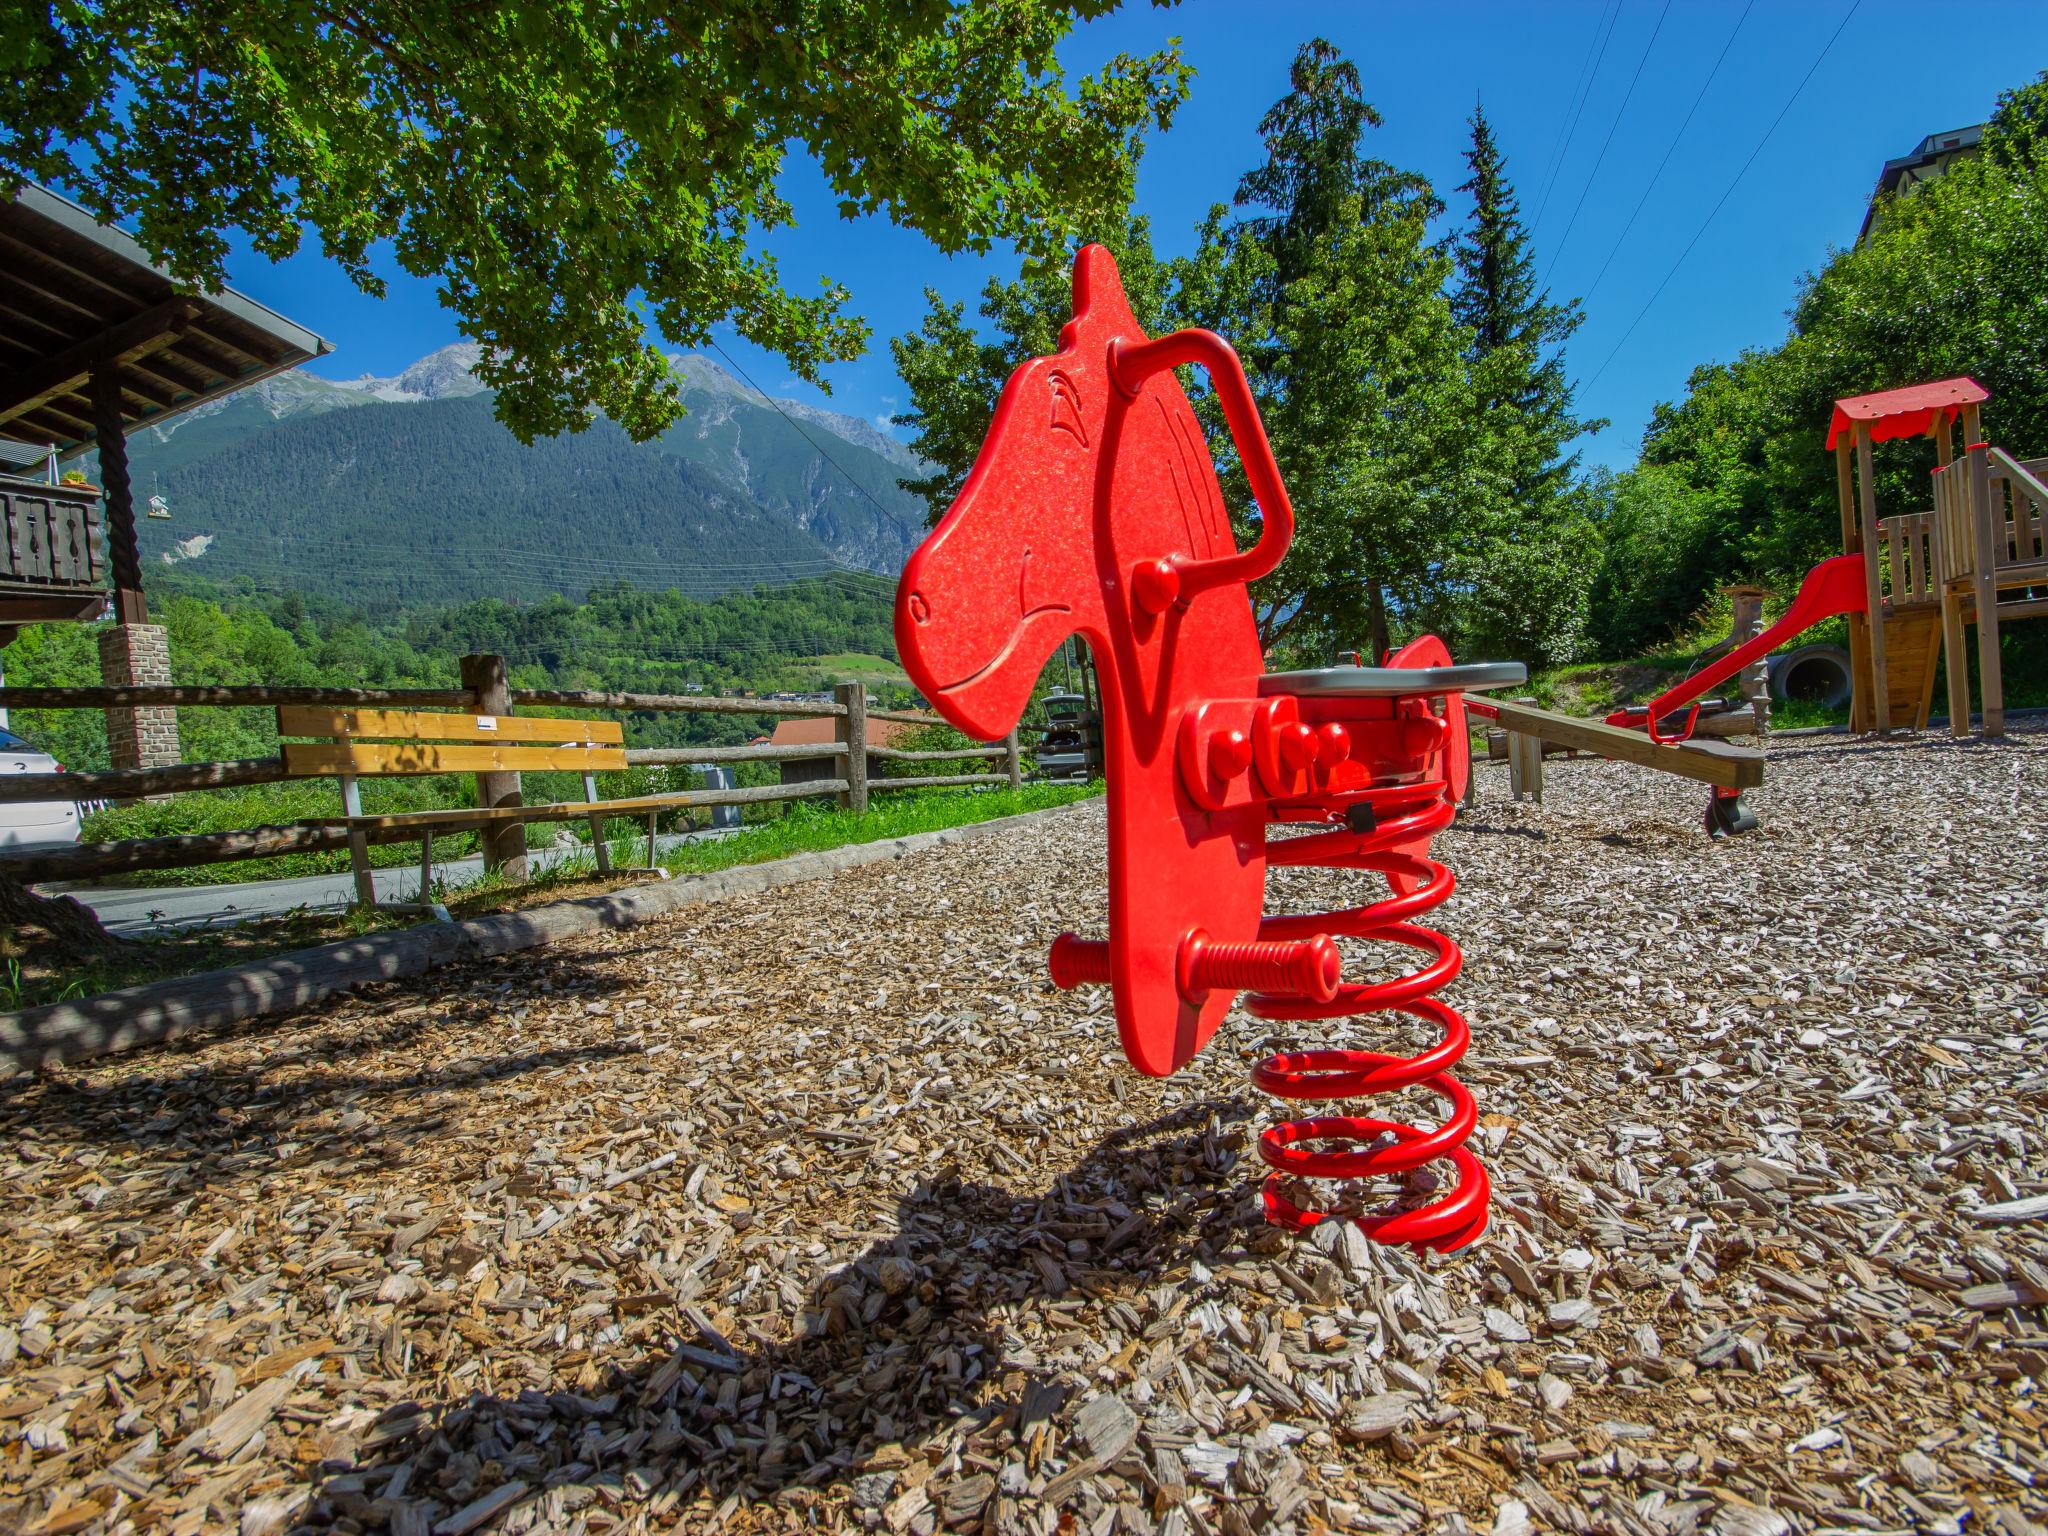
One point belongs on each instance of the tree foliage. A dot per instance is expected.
(569, 173)
(1412, 450)
(1522, 566)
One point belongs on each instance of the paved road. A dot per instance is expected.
(132, 910)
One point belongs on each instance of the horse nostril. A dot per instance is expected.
(920, 610)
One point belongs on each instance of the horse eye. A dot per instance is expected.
(920, 610)
(1066, 409)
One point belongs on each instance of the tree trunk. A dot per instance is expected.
(1376, 623)
(73, 927)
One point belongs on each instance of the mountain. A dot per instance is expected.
(407, 506)
(407, 490)
(447, 374)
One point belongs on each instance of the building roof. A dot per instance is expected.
(1932, 153)
(819, 730)
(76, 295)
(1904, 412)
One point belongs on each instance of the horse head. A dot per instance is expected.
(1093, 507)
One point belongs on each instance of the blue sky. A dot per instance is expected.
(1892, 76)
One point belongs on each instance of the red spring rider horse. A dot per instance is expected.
(1094, 507)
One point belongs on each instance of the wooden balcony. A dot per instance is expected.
(53, 558)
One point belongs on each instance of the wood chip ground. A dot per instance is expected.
(821, 1209)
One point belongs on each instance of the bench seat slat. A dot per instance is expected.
(433, 725)
(568, 810)
(319, 759)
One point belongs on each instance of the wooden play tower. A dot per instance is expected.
(1977, 557)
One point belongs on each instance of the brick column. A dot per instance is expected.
(138, 655)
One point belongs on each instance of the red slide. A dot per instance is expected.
(1834, 586)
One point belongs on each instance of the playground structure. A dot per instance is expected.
(1909, 584)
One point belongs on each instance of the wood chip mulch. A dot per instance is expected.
(822, 1209)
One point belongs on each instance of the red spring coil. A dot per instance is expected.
(1404, 814)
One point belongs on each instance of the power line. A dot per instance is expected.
(800, 432)
(1669, 149)
(1600, 159)
(1612, 20)
(1826, 48)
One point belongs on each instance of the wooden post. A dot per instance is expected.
(850, 730)
(1525, 763)
(598, 850)
(490, 693)
(426, 868)
(1873, 598)
(1859, 624)
(1013, 761)
(110, 438)
(358, 843)
(1746, 623)
(1989, 523)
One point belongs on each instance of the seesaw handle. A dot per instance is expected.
(1131, 364)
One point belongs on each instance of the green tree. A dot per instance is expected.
(1525, 573)
(955, 372)
(569, 173)
(1362, 385)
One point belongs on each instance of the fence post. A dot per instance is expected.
(1746, 606)
(1013, 761)
(490, 693)
(1525, 763)
(850, 730)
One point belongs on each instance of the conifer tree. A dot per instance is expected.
(1518, 331)
(1362, 388)
(1523, 576)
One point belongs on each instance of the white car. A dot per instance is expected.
(26, 823)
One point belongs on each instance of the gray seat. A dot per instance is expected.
(1392, 682)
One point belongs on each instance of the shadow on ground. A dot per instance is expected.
(906, 1346)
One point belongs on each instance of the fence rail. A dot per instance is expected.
(849, 753)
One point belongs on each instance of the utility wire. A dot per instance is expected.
(1612, 19)
(1826, 48)
(1669, 149)
(800, 432)
(1600, 159)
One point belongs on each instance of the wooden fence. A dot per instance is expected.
(851, 786)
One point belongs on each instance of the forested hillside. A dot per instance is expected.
(408, 491)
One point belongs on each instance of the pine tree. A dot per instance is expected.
(1362, 388)
(1523, 579)
(1518, 332)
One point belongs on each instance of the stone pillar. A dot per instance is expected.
(138, 656)
(1748, 616)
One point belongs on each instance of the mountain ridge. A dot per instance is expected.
(267, 484)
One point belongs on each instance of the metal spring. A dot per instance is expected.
(1401, 814)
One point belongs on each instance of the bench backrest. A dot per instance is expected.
(367, 743)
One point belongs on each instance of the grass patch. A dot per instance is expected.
(809, 828)
(31, 974)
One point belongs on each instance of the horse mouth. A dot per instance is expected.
(1009, 646)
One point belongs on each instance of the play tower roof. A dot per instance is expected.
(1904, 412)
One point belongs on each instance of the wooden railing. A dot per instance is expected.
(1911, 539)
(2019, 510)
(50, 538)
(850, 783)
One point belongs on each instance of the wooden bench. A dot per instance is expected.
(353, 744)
